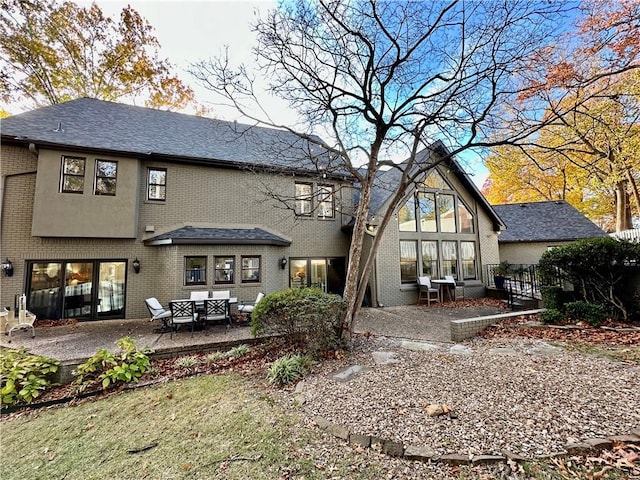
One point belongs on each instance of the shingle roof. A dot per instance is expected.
(218, 236)
(108, 126)
(545, 222)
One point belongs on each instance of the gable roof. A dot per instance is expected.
(87, 123)
(545, 222)
(218, 236)
(386, 183)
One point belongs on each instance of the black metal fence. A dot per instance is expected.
(519, 279)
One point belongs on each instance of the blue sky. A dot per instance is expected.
(189, 31)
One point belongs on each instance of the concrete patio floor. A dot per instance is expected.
(80, 341)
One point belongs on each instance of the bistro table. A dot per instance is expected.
(445, 285)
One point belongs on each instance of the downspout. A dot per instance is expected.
(3, 179)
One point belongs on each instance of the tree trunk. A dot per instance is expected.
(623, 220)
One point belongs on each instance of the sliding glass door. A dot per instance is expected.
(84, 289)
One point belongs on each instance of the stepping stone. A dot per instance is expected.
(348, 373)
(420, 346)
(459, 349)
(385, 358)
(544, 349)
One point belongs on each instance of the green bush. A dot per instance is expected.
(24, 376)
(581, 310)
(553, 297)
(551, 316)
(107, 368)
(307, 315)
(601, 271)
(288, 369)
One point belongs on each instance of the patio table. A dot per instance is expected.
(444, 285)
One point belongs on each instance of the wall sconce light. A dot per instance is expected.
(283, 263)
(7, 268)
(136, 265)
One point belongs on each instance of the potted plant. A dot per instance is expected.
(499, 273)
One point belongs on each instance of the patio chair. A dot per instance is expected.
(220, 295)
(9, 323)
(157, 312)
(182, 312)
(216, 310)
(456, 289)
(247, 308)
(426, 291)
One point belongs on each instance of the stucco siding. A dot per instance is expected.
(526, 253)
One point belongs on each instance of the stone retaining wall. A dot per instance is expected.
(469, 327)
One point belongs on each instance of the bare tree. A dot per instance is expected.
(393, 84)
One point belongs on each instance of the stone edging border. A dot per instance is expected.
(425, 454)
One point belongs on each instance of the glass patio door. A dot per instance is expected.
(84, 290)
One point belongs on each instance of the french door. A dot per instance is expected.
(327, 274)
(82, 289)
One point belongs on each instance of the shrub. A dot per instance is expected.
(601, 271)
(24, 376)
(581, 310)
(107, 368)
(551, 316)
(553, 297)
(307, 314)
(288, 369)
(215, 357)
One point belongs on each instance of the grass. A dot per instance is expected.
(204, 427)
(618, 353)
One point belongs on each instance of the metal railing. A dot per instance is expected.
(519, 280)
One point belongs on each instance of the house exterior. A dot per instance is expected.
(444, 226)
(533, 228)
(105, 205)
(89, 187)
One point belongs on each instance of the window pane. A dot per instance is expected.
(447, 213)
(304, 192)
(73, 184)
(427, 212)
(106, 186)
(298, 273)
(408, 261)
(430, 258)
(195, 271)
(325, 201)
(74, 166)
(106, 169)
(435, 181)
(407, 216)
(468, 257)
(250, 269)
(449, 258)
(466, 219)
(224, 269)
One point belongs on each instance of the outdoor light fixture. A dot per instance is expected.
(136, 265)
(7, 268)
(283, 263)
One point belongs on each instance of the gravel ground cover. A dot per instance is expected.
(513, 394)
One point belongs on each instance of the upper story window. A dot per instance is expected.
(303, 195)
(72, 175)
(106, 175)
(326, 207)
(195, 271)
(435, 208)
(156, 184)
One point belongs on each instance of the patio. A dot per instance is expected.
(81, 340)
